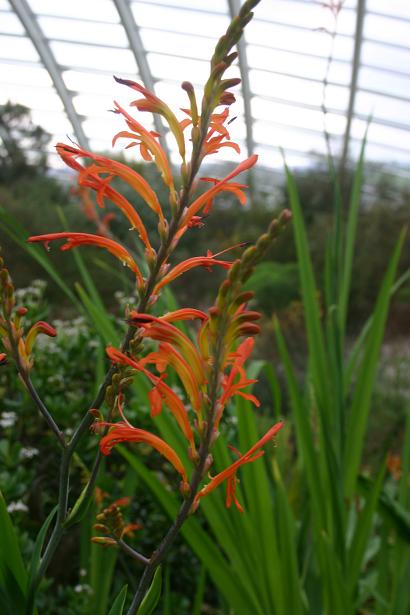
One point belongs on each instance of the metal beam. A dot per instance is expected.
(234, 8)
(361, 11)
(30, 23)
(137, 47)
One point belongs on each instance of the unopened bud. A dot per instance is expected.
(193, 455)
(245, 296)
(99, 527)
(263, 242)
(110, 396)
(187, 86)
(184, 488)
(248, 255)
(227, 98)
(126, 382)
(208, 463)
(104, 541)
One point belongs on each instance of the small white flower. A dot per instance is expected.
(28, 452)
(8, 419)
(18, 506)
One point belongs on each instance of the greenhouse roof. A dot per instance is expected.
(307, 71)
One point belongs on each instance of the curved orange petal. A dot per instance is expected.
(170, 398)
(163, 331)
(251, 455)
(121, 432)
(168, 355)
(152, 145)
(155, 105)
(190, 263)
(203, 199)
(78, 239)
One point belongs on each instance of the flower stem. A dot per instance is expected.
(32, 391)
(165, 544)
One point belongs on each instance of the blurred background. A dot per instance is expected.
(313, 75)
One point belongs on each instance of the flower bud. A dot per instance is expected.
(105, 541)
(184, 489)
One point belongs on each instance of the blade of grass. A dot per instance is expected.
(10, 555)
(362, 532)
(357, 420)
(19, 234)
(351, 231)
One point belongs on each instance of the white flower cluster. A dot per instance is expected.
(7, 419)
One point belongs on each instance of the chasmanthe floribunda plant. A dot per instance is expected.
(211, 369)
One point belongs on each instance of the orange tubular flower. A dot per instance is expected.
(157, 329)
(113, 168)
(124, 432)
(168, 355)
(161, 392)
(233, 187)
(152, 103)
(229, 473)
(103, 190)
(3, 358)
(213, 144)
(79, 239)
(204, 198)
(190, 263)
(150, 144)
(184, 314)
(36, 329)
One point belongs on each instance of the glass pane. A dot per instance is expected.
(35, 98)
(18, 74)
(384, 81)
(387, 30)
(10, 24)
(382, 107)
(99, 33)
(213, 6)
(297, 64)
(309, 15)
(399, 8)
(98, 10)
(292, 89)
(99, 58)
(16, 48)
(178, 20)
(383, 56)
(287, 38)
(191, 46)
(169, 67)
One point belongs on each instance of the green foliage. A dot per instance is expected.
(23, 145)
(118, 604)
(276, 285)
(153, 594)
